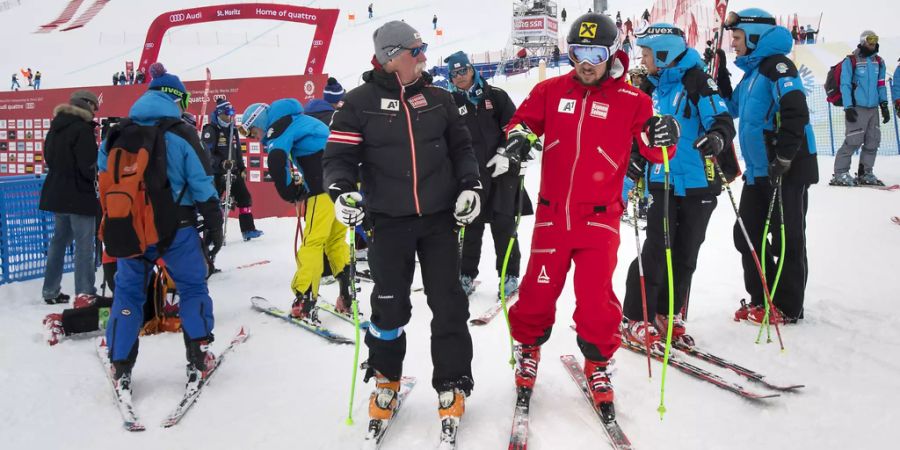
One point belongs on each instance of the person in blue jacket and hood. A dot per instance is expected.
(192, 188)
(779, 150)
(291, 137)
(684, 90)
(863, 93)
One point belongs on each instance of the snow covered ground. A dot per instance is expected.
(286, 388)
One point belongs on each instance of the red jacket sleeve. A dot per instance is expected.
(532, 111)
(643, 113)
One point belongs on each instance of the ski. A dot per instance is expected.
(263, 305)
(122, 396)
(699, 373)
(449, 431)
(378, 428)
(489, 314)
(254, 264)
(330, 308)
(205, 100)
(893, 187)
(738, 369)
(606, 413)
(518, 436)
(192, 391)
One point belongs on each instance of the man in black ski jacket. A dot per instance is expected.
(419, 180)
(215, 136)
(486, 111)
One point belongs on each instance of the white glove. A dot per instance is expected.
(500, 163)
(468, 206)
(348, 209)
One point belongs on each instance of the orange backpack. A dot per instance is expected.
(135, 193)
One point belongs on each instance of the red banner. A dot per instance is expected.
(25, 119)
(323, 19)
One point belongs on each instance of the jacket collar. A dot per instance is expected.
(391, 82)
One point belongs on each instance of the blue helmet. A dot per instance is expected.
(665, 40)
(256, 115)
(753, 22)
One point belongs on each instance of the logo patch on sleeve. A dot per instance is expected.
(599, 110)
(567, 105)
(781, 67)
(390, 104)
(418, 101)
(463, 110)
(712, 84)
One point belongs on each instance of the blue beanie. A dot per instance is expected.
(457, 60)
(334, 92)
(167, 83)
(223, 108)
(256, 115)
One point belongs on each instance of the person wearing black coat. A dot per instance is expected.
(70, 154)
(486, 111)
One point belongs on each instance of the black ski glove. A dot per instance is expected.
(212, 223)
(777, 168)
(850, 114)
(519, 142)
(710, 144)
(661, 131)
(637, 166)
(885, 112)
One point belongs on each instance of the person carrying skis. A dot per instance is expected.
(221, 139)
(589, 119)
(864, 93)
(292, 138)
(681, 88)
(779, 149)
(191, 186)
(419, 180)
(486, 110)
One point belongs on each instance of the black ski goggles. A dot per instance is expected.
(733, 20)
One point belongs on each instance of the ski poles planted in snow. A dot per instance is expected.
(637, 192)
(351, 233)
(740, 221)
(509, 247)
(662, 387)
(776, 193)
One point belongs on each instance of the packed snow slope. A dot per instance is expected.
(287, 389)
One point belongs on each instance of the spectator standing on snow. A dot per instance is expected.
(70, 154)
(434, 22)
(864, 93)
(37, 80)
(15, 83)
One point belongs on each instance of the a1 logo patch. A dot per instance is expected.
(567, 105)
(599, 110)
(390, 104)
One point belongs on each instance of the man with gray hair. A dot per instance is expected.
(70, 153)
(864, 93)
(419, 182)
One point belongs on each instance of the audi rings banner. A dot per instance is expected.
(323, 19)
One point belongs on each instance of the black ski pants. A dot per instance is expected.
(502, 228)
(688, 218)
(753, 208)
(393, 246)
(241, 196)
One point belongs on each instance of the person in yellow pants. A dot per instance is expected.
(291, 137)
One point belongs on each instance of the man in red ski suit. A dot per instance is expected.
(589, 119)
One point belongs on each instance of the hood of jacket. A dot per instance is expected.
(66, 114)
(282, 108)
(776, 41)
(152, 106)
(670, 77)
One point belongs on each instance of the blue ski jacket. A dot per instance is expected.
(298, 136)
(866, 85)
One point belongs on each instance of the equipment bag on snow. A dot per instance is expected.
(135, 193)
(833, 81)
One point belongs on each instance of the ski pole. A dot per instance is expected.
(662, 388)
(509, 247)
(635, 195)
(228, 181)
(740, 221)
(771, 304)
(351, 234)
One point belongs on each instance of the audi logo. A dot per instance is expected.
(177, 17)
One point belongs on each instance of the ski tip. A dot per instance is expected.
(477, 322)
(134, 426)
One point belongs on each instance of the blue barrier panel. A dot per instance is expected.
(25, 230)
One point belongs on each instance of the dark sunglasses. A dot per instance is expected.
(414, 51)
(462, 71)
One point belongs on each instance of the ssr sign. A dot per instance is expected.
(535, 26)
